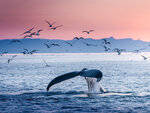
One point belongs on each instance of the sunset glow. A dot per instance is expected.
(117, 18)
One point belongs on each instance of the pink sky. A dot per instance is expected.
(118, 18)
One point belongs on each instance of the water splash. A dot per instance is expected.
(94, 86)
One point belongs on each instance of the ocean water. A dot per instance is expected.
(23, 82)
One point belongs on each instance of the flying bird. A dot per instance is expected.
(53, 44)
(145, 58)
(76, 38)
(48, 46)
(87, 44)
(50, 25)
(88, 32)
(15, 41)
(69, 43)
(138, 50)
(92, 73)
(28, 35)
(33, 51)
(11, 59)
(29, 31)
(26, 51)
(105, 42)
(46, 63)
(119, 51)
(38, 32)
(106, 48)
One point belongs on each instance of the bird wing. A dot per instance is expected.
(47, 22)
(53, 23)
(69, 43)
(31, 29)
(39, 30)
(91, 30)
(84, 31)
(58, 26)
(25, 49)
(62, 78)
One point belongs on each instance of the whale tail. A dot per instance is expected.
(62, 78)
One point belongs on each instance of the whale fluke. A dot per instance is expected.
(92, 73)
(62, 78)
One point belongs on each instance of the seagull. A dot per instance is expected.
(46, 63)
(76, 38)
(15, 41)
(29, 31)
(69, 43)
(138, 50)
(82, 38)
(50, 25)
(28, 36)
(33, 51)
(38, 32)
(119, 50)
(3, 53)
(48, 46)
(89, 44)
(106, 42)
(145, 58)
(88, 32)
(54, 28)
(91, 73)
(106, 48)
(34, 33)
(26, 49)
(11, 59)
(53, 44)
(24, 52)
(29, 52)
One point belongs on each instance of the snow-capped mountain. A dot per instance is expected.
(88, 45)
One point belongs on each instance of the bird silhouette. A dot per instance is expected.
(53, 44)
(119, 51)
(106, 48)
(29, 31)
(26, 51)
(145, 58)
(87, 44)
(138, 50)
(11, 59)
(28, 35)
(15, 41)
(38, 32)
(105, 42)
(33, 51)
(88, 32)
(48, 46)
(69, 43)
(46, 63)
(50, 25)
(78, 38)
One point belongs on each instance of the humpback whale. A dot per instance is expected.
(90, 73)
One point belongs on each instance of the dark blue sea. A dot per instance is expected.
(23, 82)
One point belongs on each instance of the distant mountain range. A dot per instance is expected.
(88, 45)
